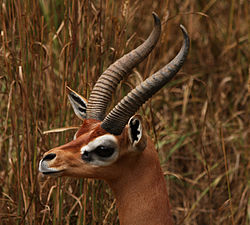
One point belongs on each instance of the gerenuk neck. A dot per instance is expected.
(141, 194)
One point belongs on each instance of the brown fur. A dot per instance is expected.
(135, 177)
(140, 189)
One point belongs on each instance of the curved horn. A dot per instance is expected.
(117, 119)
(108, 81)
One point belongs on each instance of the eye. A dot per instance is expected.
(104, 151)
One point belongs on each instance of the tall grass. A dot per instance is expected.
(200, 121)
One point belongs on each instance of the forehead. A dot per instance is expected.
(88, 132)
(92, 129)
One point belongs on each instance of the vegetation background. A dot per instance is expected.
(199, 121)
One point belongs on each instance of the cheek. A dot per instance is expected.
(73, 160)
(123, 142)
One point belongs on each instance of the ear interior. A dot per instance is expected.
(135, 133)
(78, 103)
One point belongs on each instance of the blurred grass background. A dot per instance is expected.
(199, 121)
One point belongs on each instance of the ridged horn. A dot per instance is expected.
(117, 119)
(111, 77)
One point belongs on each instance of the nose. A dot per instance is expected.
(45, 164)
(49, 157)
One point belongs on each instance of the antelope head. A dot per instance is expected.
(105, 144)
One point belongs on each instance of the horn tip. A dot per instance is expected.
(185, 34)
(156, 18)
(183, 29)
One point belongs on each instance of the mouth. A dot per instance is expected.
(46, 170)
(52, 173)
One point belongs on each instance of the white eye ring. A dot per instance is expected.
(106, 140)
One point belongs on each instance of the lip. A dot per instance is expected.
(46, 170)
(52, 173)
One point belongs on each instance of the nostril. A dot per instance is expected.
(49, 156)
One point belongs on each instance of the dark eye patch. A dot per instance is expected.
(100, 151)
(86, 156)
(104, 151)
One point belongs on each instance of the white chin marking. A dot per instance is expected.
(45, 169)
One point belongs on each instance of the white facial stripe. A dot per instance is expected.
(75, 135)
(107, 140)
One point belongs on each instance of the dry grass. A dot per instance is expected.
(201, 120)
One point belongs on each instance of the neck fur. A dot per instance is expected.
(141, 194)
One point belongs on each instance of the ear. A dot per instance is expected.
(136, 133)
(78, 103)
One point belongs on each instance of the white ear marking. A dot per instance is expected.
(78, 103)
(134, 130)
